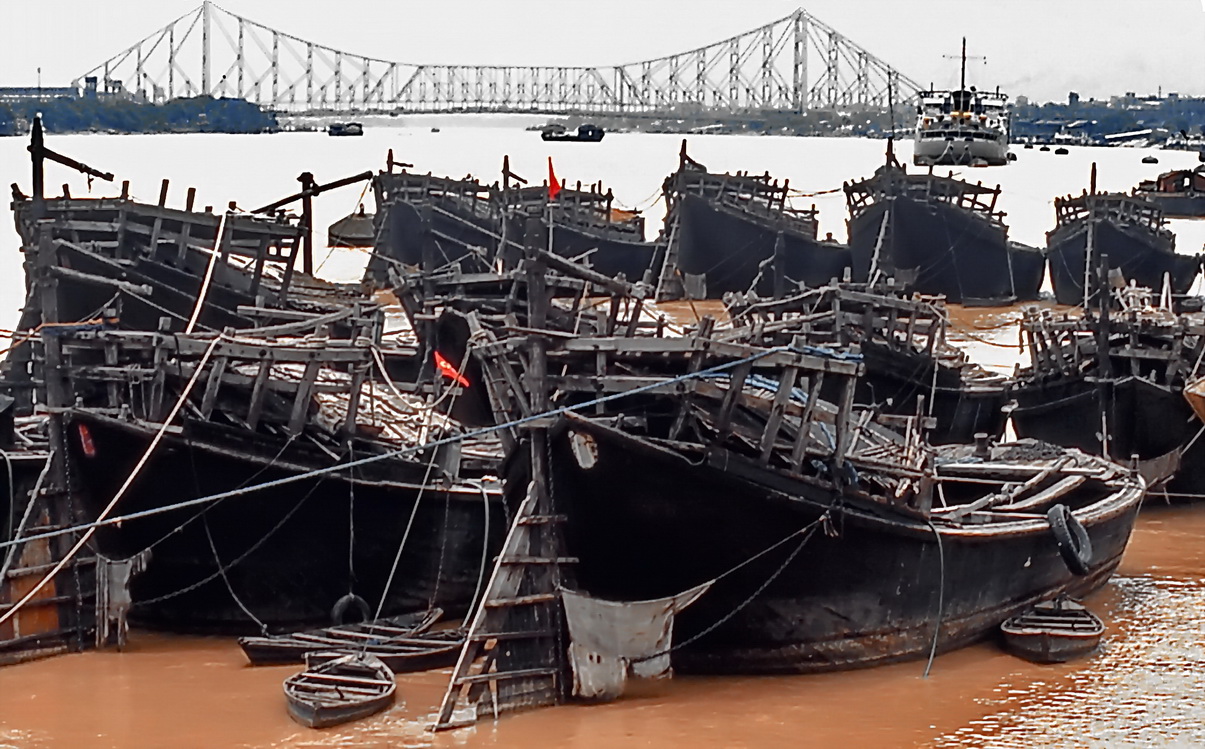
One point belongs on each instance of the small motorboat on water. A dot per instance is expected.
(586, 133)
(345, 128)
(340, 689)
(1053, 631)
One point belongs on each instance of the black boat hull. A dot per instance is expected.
(1144, 419)
(454, 230)
(734, 251)
(895, 381)
(944, 250)
(283, 551)
(864, 587)
(1141, 256)
(611, 256)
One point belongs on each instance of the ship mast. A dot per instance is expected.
(962, 80)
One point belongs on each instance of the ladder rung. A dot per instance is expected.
(523, 673)
(539, 560)
(498, 603)
(531, 634)
(542, 519)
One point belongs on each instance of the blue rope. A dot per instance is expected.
(403, 452)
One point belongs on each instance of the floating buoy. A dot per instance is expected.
(1149, 160)
(1060, 151)
(1044, 148)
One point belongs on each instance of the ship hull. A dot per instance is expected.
(1141, 256)
(1144, 419)
(735, 251)
(943, 249)
(281, 553)
(866, 587)
(970, 149)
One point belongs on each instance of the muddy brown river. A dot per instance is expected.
(1142, 689)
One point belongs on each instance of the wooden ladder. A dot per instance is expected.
(514, 655)
(669, 285)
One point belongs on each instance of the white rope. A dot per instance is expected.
(213, 260)
(91, 529)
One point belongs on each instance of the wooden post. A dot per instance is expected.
(779, 266)
(307, 217)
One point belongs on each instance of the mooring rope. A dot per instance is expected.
(90, 528)
(941, 596)
(808, 530)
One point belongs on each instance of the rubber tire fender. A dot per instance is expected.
(1074, 545)
(339, 611)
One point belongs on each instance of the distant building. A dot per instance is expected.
(1072, 99)
(35, 93)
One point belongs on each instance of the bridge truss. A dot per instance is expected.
(793, 64)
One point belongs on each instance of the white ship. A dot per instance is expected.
(962, 127)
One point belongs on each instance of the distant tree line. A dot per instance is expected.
(202, 114)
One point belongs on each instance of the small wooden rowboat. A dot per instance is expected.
(434, 650)
(1053, 631)
(371, 636)
(340, 689)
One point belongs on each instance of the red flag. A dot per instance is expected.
(447, 369)
(554, 187)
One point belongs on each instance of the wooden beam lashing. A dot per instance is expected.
(732, 398)
(212, 385)
(358, 375)
(774, 422)
(799, 449)
(700, 341)
(301, 404)
(259, 391)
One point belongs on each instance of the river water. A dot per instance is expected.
(1143, 688)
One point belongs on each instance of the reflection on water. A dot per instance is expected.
(1142, 690)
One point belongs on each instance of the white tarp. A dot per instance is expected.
(611, 639)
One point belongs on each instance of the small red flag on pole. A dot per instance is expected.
(447, 369)
(554, 187)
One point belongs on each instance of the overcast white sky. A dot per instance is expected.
(1038, 48)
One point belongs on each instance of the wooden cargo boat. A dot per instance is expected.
(346, 688)
(909, 366)
(941, 578)
(937, 235)
(405, 656)
(739, 233)
(1179, 193)
(1113, 382)
(291, 648)
(1128, 230)
(1053, 632)
(437, 223)
(265, 436)
(433, 222)
(829, 541)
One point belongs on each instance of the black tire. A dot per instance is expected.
(339, 612)
(1074, 545)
